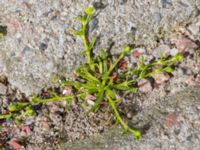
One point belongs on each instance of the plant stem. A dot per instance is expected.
(5, 116)
(57, 98)
(136, 133)
(116, 62)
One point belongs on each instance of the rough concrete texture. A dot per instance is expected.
(37, 47)
(173, 124)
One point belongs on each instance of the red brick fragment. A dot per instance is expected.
(171, 120)
(123, 64)
(184, 44)
(26, 129)
(136, 53)
(15, 145)
(114, 76)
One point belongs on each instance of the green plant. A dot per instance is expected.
(96, 78)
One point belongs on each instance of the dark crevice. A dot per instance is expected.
(3, 30)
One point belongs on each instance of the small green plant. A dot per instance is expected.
(96, 78)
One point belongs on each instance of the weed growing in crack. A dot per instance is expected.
(96, 78)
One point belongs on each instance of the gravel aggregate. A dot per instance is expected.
(37, 49)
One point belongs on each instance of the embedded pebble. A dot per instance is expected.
(161, 78)
(43, 27)
(3, 89)
(163, 50)
(184, 44)
(144, 86)
(191, 80)
(51, 50)
(157, 17)
(173, 51)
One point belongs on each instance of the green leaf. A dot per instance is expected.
(100, 97)
(127, 49)
(136, 133)
(92, 43)
(84, 73)
(17, 121)
(177, 58)
(82, 19)
(168, 69)
(76, 85)
(125, 88)
(29, 111)
(34, 98)
(1, 36)
(141, 61)
(5, 116)
(74, 32)
(90, 11)
(111, 94)
(17, 106)
(12, 108)
(99, 65)
(104, 57)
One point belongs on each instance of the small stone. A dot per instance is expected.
(114, 76)
(161, 50)
(129, 115)
(43, 46)
(136, 53)
(157, 17)
(18, 35)
(189, 138)
(15, 145)
(26, 129)
(164, 3)
(93, 24)
(90, 102)
(123, 64)
(99, 5)
(45, 125)
(173, 51)
(14, 25)
(161, 78)
(144, 86)
(184, 44)
(90, 97)
(177, 131)
(187, 71)
(3, 89)
(171, 120)
(25, 49)
(54, 107)
(140, 50)
(194, 29)
(123, 2)
(67, 91)
(198, 79)
(198, 107)
(3, 78)
(191, 80)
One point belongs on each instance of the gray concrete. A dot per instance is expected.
(37, 47)
(173, 124)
